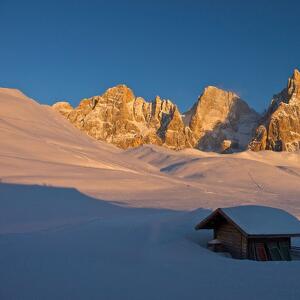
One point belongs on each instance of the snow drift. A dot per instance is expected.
(80, 219)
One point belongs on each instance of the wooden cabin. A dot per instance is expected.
(252, 232)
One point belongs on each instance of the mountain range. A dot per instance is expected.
(219, 121)
(78, 215)
(40, 147)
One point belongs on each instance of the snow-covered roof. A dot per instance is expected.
(259, 220)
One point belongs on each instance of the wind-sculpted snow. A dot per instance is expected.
(61, 244)
(81, 219)
(40, 147)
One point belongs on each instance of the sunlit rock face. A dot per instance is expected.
(219, 121)
(279, 129)
(120, 118)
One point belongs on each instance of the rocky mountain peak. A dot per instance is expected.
(217, 116)
(216, 93)
(215, 123)
(293, 88)
(279, 129)
(119, 93)
(296, 75)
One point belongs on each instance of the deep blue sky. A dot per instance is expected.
(68, 50)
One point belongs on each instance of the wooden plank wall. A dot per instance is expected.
(244, 247)
(232, 239)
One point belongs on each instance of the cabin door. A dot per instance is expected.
(269, 250)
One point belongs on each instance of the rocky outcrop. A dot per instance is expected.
(279, 129)
(219, 121)
(120, 118)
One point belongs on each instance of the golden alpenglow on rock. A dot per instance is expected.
(219, 121)
(279, 128)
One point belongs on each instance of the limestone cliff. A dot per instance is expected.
(219, 121)
(120, 118)
(279, 129)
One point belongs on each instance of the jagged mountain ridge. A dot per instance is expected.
(120, 118)
(221, 121)
(215, 123)
(279, 128)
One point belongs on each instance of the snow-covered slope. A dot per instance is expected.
(31, 131)
(114, 252)
(81, 219)
(267, 177)
(38, 146)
